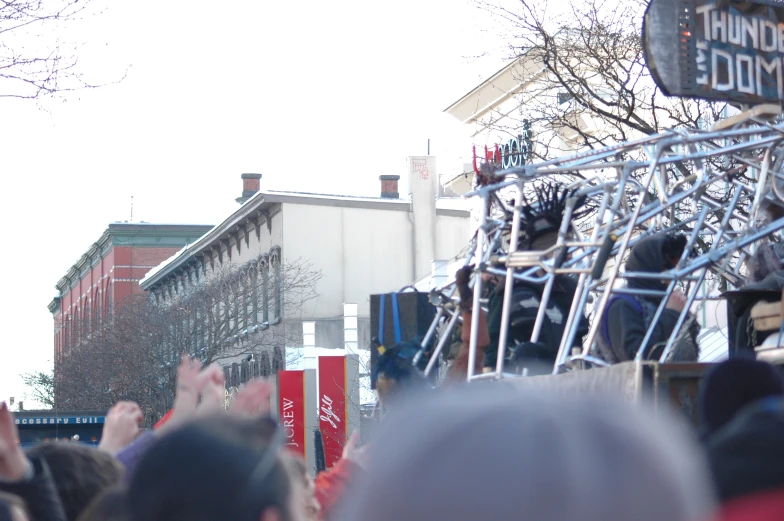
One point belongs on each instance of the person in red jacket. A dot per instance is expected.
(768, 506)
(331, 485)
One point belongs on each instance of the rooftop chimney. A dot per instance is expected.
(389, 186)
(251, 183)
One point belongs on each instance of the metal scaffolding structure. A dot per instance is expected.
(721, 189)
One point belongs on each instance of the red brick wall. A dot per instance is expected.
(115, 278)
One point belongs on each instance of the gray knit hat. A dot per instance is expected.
(492, 453)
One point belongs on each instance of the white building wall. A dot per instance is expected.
(452, 236)
(359, 251)
(257, 246)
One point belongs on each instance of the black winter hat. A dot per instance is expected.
(731, 386)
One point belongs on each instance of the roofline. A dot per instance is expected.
(499, 73)
(268, 199)
(116, 230)
(248, 208)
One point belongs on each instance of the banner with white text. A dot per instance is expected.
(291, 407)
(333, 406)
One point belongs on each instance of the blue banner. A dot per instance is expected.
(62, 420)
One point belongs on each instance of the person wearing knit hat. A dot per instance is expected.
(627, 318)
(733, 385)
(764, 284)
(492, 453)
(745, 456)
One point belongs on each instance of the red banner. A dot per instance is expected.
(333, 406)
(291, 406)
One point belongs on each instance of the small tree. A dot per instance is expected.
(41, 388)
(231, 317)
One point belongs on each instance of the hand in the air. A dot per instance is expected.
(357, 455)
(677, 301)
(13, 463)
(122, 426)
(253, 398)
(211, 384)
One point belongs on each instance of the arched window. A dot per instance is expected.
(265, 369)
(96, 307)
(253, 283)
(278, 364)
(264, 293)
(277, 274)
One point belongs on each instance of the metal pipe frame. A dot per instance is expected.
(623, 208)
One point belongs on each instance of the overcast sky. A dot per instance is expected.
(317, 96)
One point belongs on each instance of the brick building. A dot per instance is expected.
(110, 271)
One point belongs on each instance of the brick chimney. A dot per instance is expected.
(389, 186)
(251, 183)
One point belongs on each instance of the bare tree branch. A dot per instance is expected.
(35, 61)
(233, 312)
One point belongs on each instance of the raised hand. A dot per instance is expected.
(677, 301)
(357, 455)
(212, 389)
(13, 463)
(253, 398)
(122, 426)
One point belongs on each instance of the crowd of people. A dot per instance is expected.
(461, 451)
(484, 450)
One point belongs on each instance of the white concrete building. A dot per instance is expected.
(361, 246)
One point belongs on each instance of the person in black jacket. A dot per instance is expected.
(627, 318)
(540, 227)
(765, 282)
(28, 478)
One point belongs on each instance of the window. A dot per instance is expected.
(236, 297)
(277, 303)
(254, 294)
(563, 97)
(264, 268)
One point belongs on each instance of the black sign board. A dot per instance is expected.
(723, 50)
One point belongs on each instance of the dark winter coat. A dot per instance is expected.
(626, 326)
(526, 304)
(39, 493)
(745, 456)
(746, 338)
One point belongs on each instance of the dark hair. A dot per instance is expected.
(202, 471)
(80, 473)
(395, 364)
(731, 386)
(109, 506)
(7, 502)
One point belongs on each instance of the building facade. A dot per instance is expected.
(109, 272)
(358, 245)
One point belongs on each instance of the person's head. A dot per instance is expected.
(489, 452)
(746, 455)
(654, 254)
(109, 506)
(13, 508)
(80, 473)
(731, 386)
(542, 218)
(396, 377)
(768, 258)
(216, 468)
